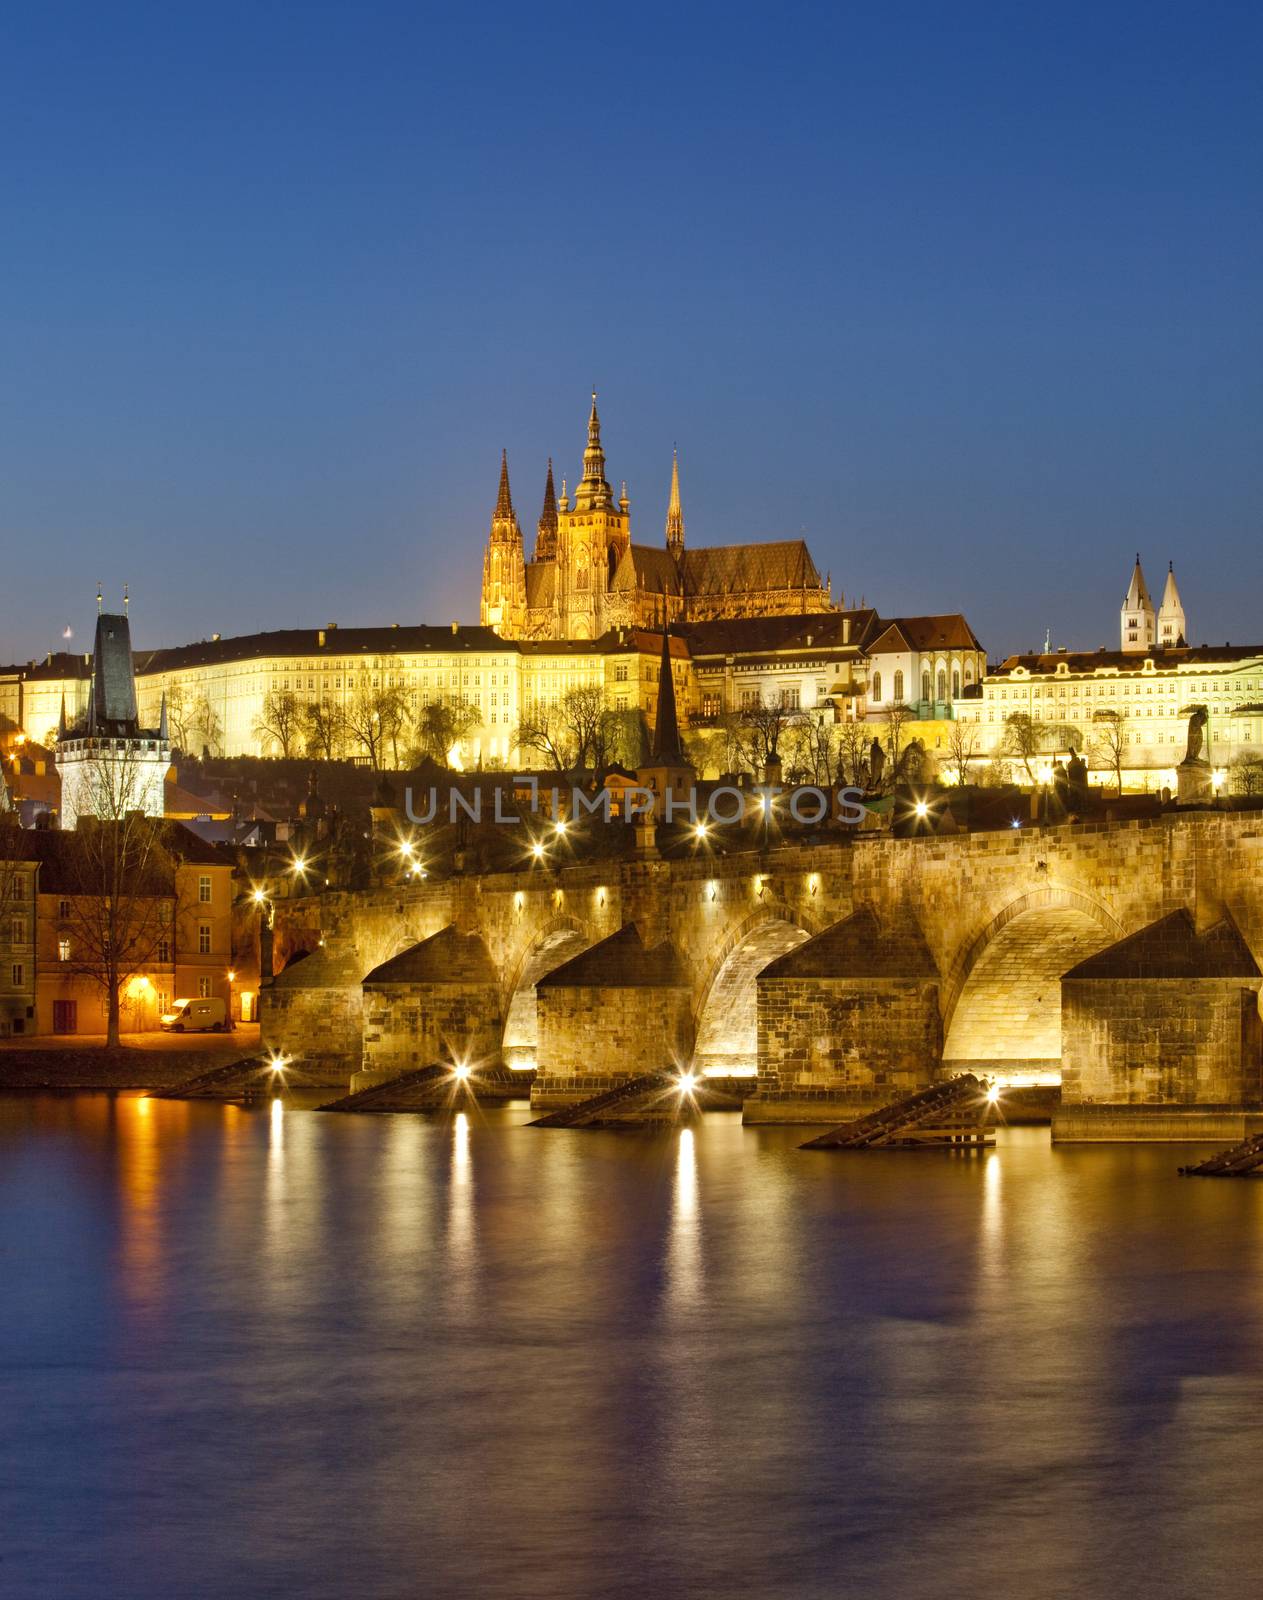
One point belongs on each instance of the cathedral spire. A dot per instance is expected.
(593, 493)
(546, 528)
(675, 513)
(1172, 627)
(504, 501)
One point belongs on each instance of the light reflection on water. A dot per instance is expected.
(270, 1352)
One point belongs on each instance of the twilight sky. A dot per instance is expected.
(967, 294)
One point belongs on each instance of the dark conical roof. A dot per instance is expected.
(666, 732)
(113, 682)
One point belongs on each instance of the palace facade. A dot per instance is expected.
(1139, 695)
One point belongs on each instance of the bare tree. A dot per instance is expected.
(582, 712)
(204, 724)
(815, 753)
(543, 729)
(1024, 738)
(179, 705)
(442, 724)
(376, 718)
(620, 738)
(279, 721)
(1109, 740)
(962, 747)
(897, 720)
(122, 886)
(853, 743)
(763, 727)
(324, 730)
(1247, 775)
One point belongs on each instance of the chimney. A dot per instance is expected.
(846, 630)
(455, 627)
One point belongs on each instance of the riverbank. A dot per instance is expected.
(141, 1061)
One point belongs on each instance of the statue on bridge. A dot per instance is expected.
(1198, 718)
(876, 763)
(1194, 786)
(1076, 779)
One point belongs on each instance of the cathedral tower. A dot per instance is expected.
(1171, 626)
(675, 515)
(1136, 620)
(504, 566)
(593, 531)
(546, 527)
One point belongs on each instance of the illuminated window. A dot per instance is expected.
(63, 949)
(204, 988)
(204, 889)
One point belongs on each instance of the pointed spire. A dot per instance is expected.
(546, 528)
(164, 736)
(61, 720)
(1172, 626)
(504, 501)
(593, 493)
(666, 731)
(1137, 591)
(675, 512)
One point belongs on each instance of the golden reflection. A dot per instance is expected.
(684, 1253)
(461, 1228)
(144, 1133)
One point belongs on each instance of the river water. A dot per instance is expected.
(268, 1352)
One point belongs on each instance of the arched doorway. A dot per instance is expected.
(1004, 1005)
(556, 944)
(727, 1019)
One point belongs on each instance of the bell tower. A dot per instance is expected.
(1136, 620)
(593, 531)
(504, 566)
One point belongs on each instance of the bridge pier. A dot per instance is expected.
(1161, 1037)
(846, 1022)
(618, 1011)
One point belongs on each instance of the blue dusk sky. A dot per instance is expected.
(968, 295)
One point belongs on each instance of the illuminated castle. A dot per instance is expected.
(588, 577)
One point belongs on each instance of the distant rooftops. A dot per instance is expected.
(1086, 661)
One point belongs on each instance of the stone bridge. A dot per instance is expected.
(840, 974)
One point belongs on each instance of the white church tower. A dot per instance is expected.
(1171, 628)
(108, 764)
(1137, 618)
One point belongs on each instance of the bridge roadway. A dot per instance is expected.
(840, 973)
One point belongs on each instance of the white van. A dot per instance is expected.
(195, 1016)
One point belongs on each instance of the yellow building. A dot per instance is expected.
(1132, 702)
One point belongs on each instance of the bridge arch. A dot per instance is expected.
(1002, 994)
(557, 941)
(726, 1016)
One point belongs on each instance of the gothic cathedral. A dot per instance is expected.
(588, 577)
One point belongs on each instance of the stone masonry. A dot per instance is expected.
(998, 913)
